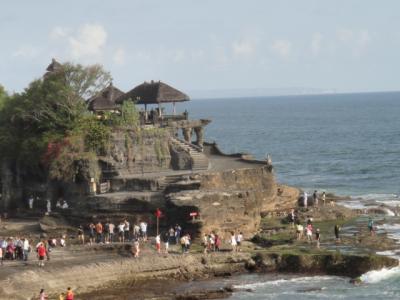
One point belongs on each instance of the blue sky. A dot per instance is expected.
(346, 45)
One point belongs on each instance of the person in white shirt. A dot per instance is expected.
(239, 239)
(158, 243)
(48, 206)
(305, 199)
(26, 248)
(121, 232)
(143, 230)
(233, 242)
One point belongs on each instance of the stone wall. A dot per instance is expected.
(228, 200)
(139, 152)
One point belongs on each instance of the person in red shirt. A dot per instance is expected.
(99, 232)
(41, 250)
(70, 294)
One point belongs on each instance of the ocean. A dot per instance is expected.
(348, 144)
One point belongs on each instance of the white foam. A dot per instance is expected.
(283, 281)
(378, 276)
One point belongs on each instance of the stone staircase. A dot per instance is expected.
(199, 159)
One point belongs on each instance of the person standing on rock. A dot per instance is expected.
(315, 198)
(48, 206)
(111, 228)
(371, 227)
(217, 242)
(292, 218)
(136, 248)
(41, 251)
(99, 232)
(158, 243)
(25, 249)
(309, 231)
(233, 242)
(42, 295)
(30, 202)
(92, 228)
(305, 199)
(69, 295)
(121, 232)
(317, 237)
(239, 239)
(205, 243)
(166, 242)
(81, 235)
(337, 231)
(143, 230)
(127, 230)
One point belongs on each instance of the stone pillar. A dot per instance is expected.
(199, 135)
(187, 134)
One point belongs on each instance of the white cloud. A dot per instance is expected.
(344, 35)
(59, 32)
(89, 42)
(282, 48)
(26, 51)
(243, 48)
(119, 56)
(178, 55)
(316, 42)
(357, 40)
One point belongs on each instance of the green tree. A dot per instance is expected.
(46, 112)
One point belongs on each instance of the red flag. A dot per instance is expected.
(158, 213)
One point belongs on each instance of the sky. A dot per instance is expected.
(340, 45)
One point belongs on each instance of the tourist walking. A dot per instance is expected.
(305, 199)
(92, 228)
(30, 202)
(309, 231)
(158, 243)
(136, 247)
(69, 295)
(217, 242)
(178, 231)
(166, 242)
(99, 232)
(111, 229)
(121, 232)
(233, 242)
(42, 295)
(81, 235)
(25, 249)
(292, 218)
(337, 231)
(239, 239)
(299, 231)
(205, 243)
(41, 252)
(127, 227)
(371, 227)
(48, 206)
(143, 230)
(315, 198)
(317, 237)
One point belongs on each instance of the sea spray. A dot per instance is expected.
(380, 275)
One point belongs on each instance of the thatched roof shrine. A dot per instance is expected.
(54, 66)
(154, 92)
(105, 100)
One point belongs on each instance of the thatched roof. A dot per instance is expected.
(105, 100)
(153, 92)
(54, 66)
